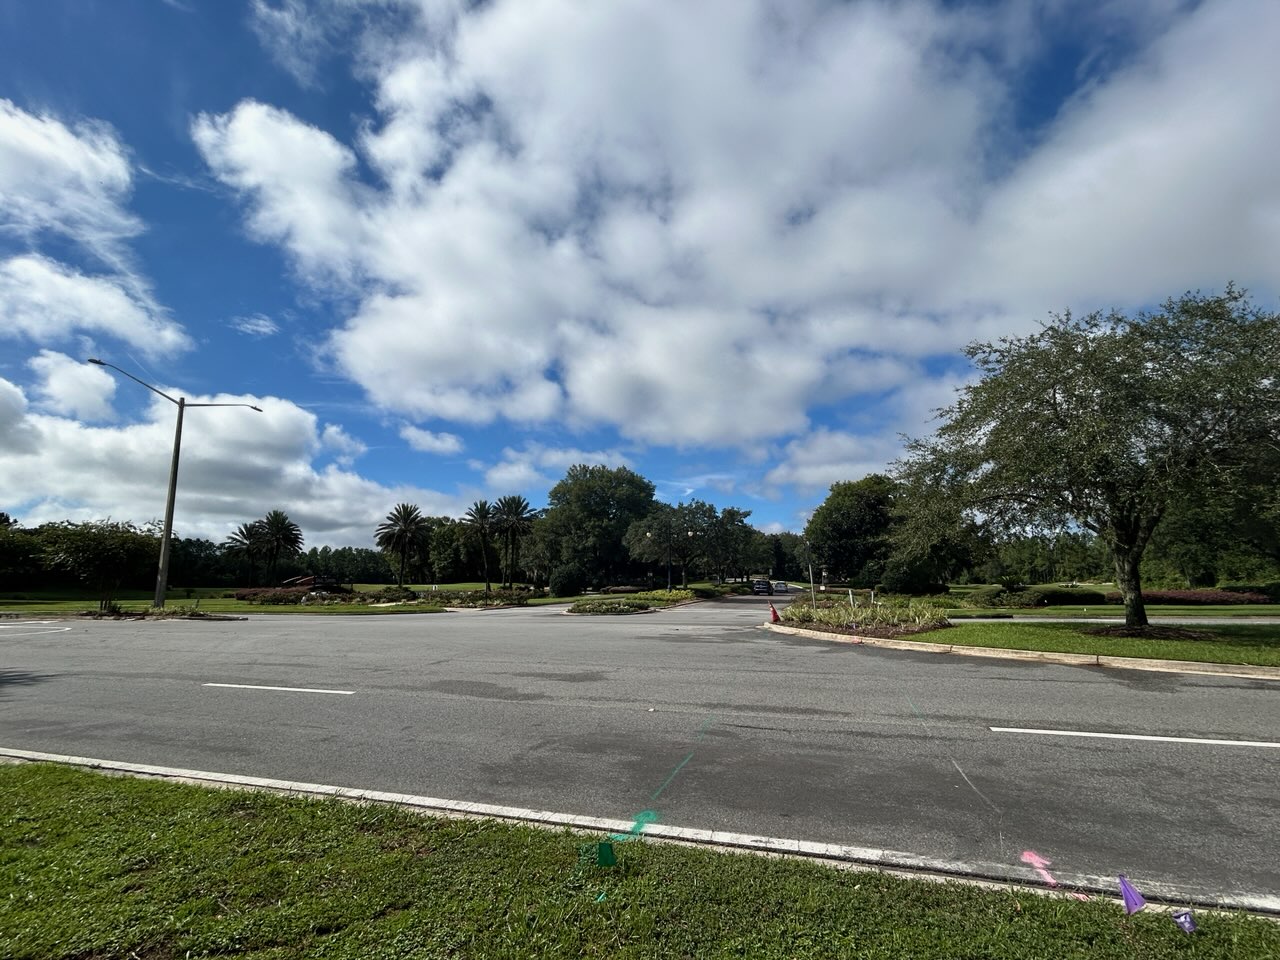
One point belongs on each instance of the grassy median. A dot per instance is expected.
(98, 866)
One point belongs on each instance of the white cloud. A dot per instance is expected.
(425, 441)
(47, 301)
(256, 325)
(752, 212)
(536, 465)
(346, 447)
(71, 387)
(296, 179)
(823, 457)
(69, 180)
(236, 466)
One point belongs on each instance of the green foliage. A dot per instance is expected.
(102, 554)
(567, 580)
(599, 605)
(404, 533)
(587, 518)
(996, 595)
(477, 598)
(273, 596)
(479, 523)
(1107, 421)
(512, 522)
(892, 612)
(850, 530)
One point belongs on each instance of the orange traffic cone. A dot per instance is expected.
(773, 613)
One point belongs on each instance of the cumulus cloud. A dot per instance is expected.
(70, 387)
(424, 441)
(537, 465)
(235, 467)
(752, 211)
(345, 446)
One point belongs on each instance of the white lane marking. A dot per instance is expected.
(1134, 736)
(874, 857)
(41, 625)
(254, 686)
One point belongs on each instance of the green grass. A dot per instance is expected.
(1256, 644)
(1117, 610)
(97, 866)
(65, 608)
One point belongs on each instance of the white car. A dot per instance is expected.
(781, 587)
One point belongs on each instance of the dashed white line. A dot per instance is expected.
(254, 686)
(1134, 736)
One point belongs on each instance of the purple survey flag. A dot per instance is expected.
(1185, 921)
(1133, 901)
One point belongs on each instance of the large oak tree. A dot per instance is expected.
(1106, 421)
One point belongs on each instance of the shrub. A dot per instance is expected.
(273, 596)
(567, 580)
(1157, 598)
(836, 612)
(477, 598)
(390, 594)
(1271, 589)
(908, 580)
(599, 605)
(1050, 596)
(988, 596)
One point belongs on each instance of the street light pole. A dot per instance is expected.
(162, 573)
(812, 590)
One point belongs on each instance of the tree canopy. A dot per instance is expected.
(1106, 421)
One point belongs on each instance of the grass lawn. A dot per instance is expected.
(64, 608)
(1257, 644)
(97, 866)
(1117, 610)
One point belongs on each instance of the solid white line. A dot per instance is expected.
(1135, 736)
(254, 686)
(874, 857)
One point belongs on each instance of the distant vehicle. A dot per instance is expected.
(781, 587)
(761, 586)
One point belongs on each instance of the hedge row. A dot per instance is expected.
(600, 605)
(1193, 597)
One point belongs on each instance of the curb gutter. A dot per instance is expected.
(1045, 656)
(853, 857)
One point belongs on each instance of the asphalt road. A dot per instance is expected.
(696, 714)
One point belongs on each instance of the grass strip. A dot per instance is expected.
(99, 866)
(1253, 644)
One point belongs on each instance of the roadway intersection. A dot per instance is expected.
(697, 715)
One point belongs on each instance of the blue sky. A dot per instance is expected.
(453, 248)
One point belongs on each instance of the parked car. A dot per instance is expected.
(781, 587)
(761, 586)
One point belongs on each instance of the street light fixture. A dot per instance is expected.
(649, 536)
(162, 575)
(808, 549)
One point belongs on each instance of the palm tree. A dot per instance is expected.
(404, 531)
(513, 520)
(246, 542)
(480, 520)
(281, 537)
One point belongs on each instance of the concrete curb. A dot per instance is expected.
(1044, 656)
(836, 854)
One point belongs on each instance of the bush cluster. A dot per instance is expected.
(600, 605)
(893, 612)
(567, 580)
(476, 598)
(1271, 589)
(1193, 597)
(273, 596)
(997, 595)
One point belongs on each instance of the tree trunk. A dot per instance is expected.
(1129, 580)
(484, 554)
(404, 554)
